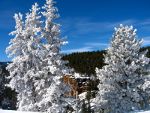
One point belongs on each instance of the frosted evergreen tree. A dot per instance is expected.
(24, 49)
(123, 85)
(37, 69)
(50, 86)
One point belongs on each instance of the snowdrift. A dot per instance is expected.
(10, 111)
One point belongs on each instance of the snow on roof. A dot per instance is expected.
(77, 75)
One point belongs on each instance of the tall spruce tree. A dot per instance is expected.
(122, 86)
(50, 86)
(24, 49)
(37, 69)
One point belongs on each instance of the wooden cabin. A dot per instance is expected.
(77, 85)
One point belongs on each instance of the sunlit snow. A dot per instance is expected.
(10, 111)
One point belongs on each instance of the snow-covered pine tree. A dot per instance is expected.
(37, 69)
(50, 86)
(122, 85)
(24, 50)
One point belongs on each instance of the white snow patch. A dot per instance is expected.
(11, 111)
(143, 112)
(78, 75)
(82, 96)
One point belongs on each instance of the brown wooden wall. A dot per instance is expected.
(74, 85)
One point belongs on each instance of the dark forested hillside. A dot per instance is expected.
(146, 48)
(7, 96)
(86, 62)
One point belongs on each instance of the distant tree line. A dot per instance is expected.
(86, 62)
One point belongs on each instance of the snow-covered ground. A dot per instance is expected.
(143, 112)
(10, 111)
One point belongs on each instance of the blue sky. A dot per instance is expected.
(88, 24)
